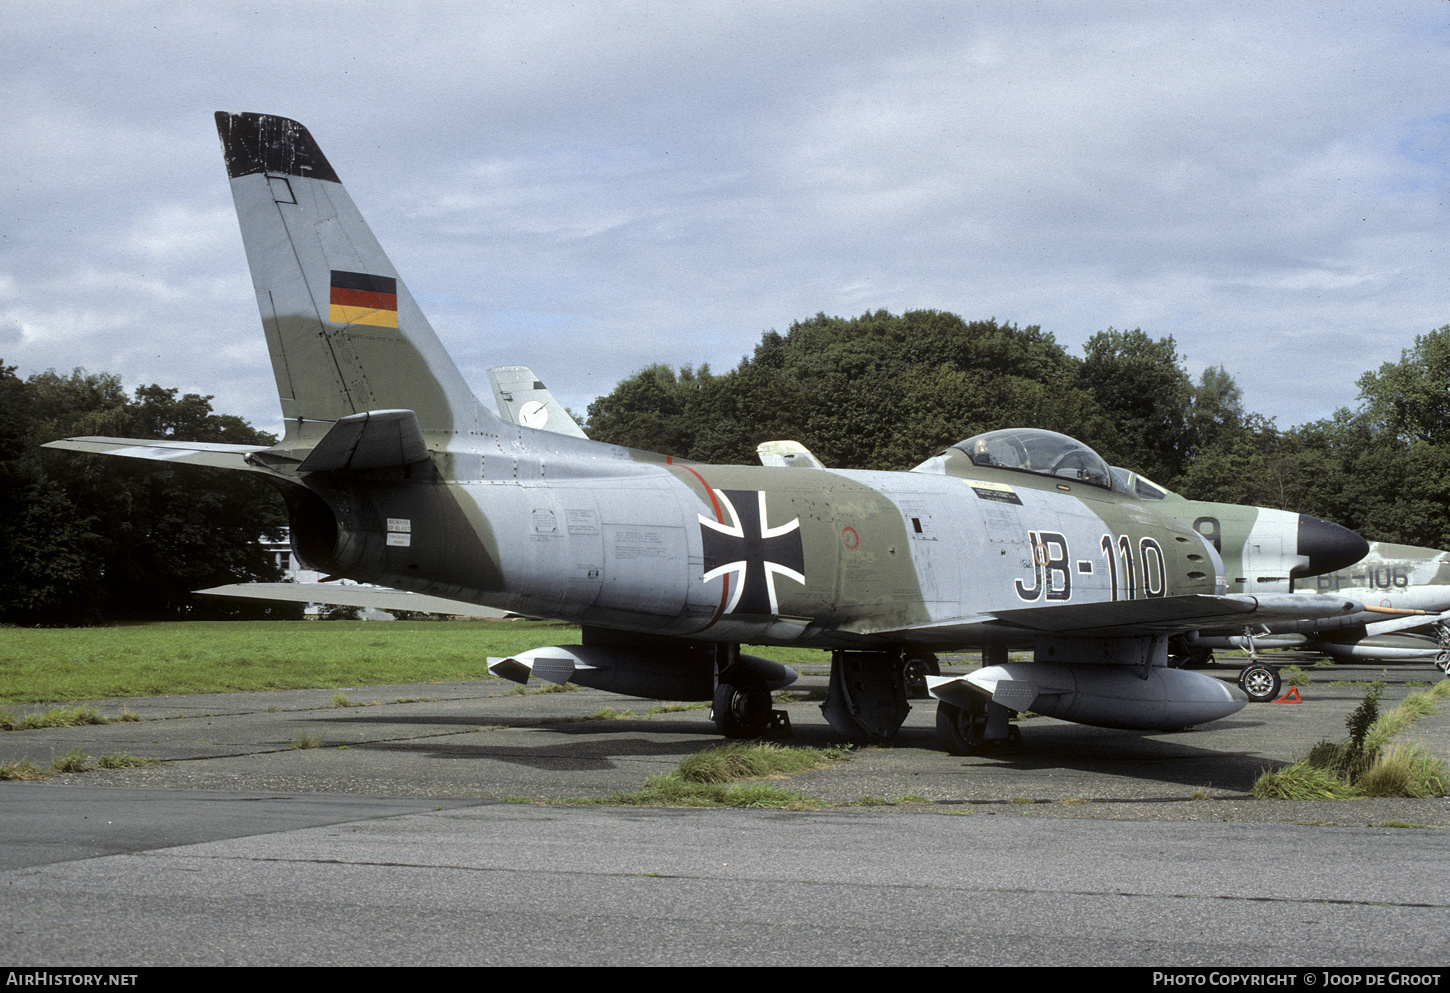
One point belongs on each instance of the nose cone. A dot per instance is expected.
(1327, 546)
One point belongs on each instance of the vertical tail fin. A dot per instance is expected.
(344, 333)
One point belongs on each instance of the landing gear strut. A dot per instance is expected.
(1442, 658)
(741, 706)
(976, 729)
(914, 670)
(1258, 680)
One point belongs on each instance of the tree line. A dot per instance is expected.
(886, 391)
(86, 539)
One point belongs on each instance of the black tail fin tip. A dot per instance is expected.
(255, 143)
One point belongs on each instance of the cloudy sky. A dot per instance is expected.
(591, 187)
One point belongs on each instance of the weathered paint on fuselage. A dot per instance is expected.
(599, 535)
(1389, 570)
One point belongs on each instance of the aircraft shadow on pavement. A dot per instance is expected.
(599, 743)
(589, 748)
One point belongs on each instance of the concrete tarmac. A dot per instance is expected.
(426, 824)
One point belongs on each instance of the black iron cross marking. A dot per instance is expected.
(746, 547)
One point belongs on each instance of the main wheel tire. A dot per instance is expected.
(964, 729)
(741, 711)
(915, 669)
(1260, 682)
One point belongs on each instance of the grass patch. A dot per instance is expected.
(1293, 675)
(675, 708)
(546, 688)
(48, 665)
(70, 762)
(754, 760)
(307, 741)
(1404, 770)
(1366, 764)
(341, 700)
(60, 717)
(74, 761)
(120, 760)
(44, 665)
(710, 778)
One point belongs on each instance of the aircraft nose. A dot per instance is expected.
(1328, 546)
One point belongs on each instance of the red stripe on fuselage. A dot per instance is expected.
(719, 519)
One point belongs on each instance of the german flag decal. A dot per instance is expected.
(359, 298)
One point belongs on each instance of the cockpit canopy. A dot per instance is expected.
(1044, 453)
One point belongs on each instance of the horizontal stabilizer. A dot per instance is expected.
(213, 456)
(373, 439)
(523, 399)
(333, 594)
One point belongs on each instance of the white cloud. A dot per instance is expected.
(592, 188)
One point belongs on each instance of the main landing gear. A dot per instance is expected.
(976, 729)
(915, 667)
(742, 711)
(741, 707)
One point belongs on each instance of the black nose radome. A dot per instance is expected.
(1328, 546)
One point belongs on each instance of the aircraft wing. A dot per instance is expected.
(1128, 618)
(381, 597)
(214, 456)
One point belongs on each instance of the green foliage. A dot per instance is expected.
(1362, 718)
(72, 761)
(1410, 399)
(120, 760)
(727, 763)
(709, 778)
(1293, 675)
(1140, 382)
(85, 539)
(879, 391)
(1303, 781)
(1365, 764)
(1404, 770)
(57, 717)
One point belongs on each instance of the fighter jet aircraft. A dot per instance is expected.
(1391, 580)
(1262, 548)
(394, 474)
